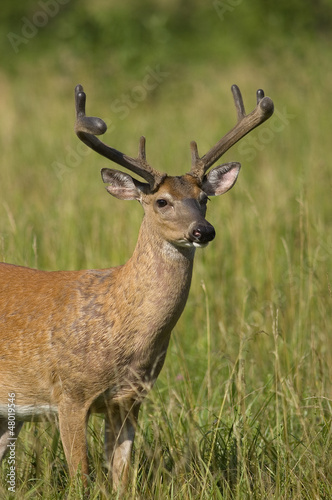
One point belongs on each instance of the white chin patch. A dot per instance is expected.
(200, 245)
(190, 244)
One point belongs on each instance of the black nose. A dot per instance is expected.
(202, 233)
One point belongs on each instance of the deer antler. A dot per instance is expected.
(245, 124)
(87, 127)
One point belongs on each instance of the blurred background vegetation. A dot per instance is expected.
(131, 33)
(243, 405)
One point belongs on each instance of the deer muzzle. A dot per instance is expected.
(200, 234)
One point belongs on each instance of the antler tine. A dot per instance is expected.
(87, 127)
(196, 161)
(246, 123)
(238, 101)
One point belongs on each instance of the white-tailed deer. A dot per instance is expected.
(74, 343)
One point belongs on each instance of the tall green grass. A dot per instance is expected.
(242, 408)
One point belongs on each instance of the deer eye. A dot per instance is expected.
(161, 203)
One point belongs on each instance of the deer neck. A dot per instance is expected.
(160, 274)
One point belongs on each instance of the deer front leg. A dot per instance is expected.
(73, 424)
(120, 427)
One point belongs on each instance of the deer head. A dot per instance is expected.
(176, 206)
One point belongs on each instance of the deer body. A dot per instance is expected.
(79, 328)
(77, 342)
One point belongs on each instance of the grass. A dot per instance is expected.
(242, 408)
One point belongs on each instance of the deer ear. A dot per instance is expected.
(220, 179)
(122, 185)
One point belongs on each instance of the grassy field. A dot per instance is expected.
(243, 406)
